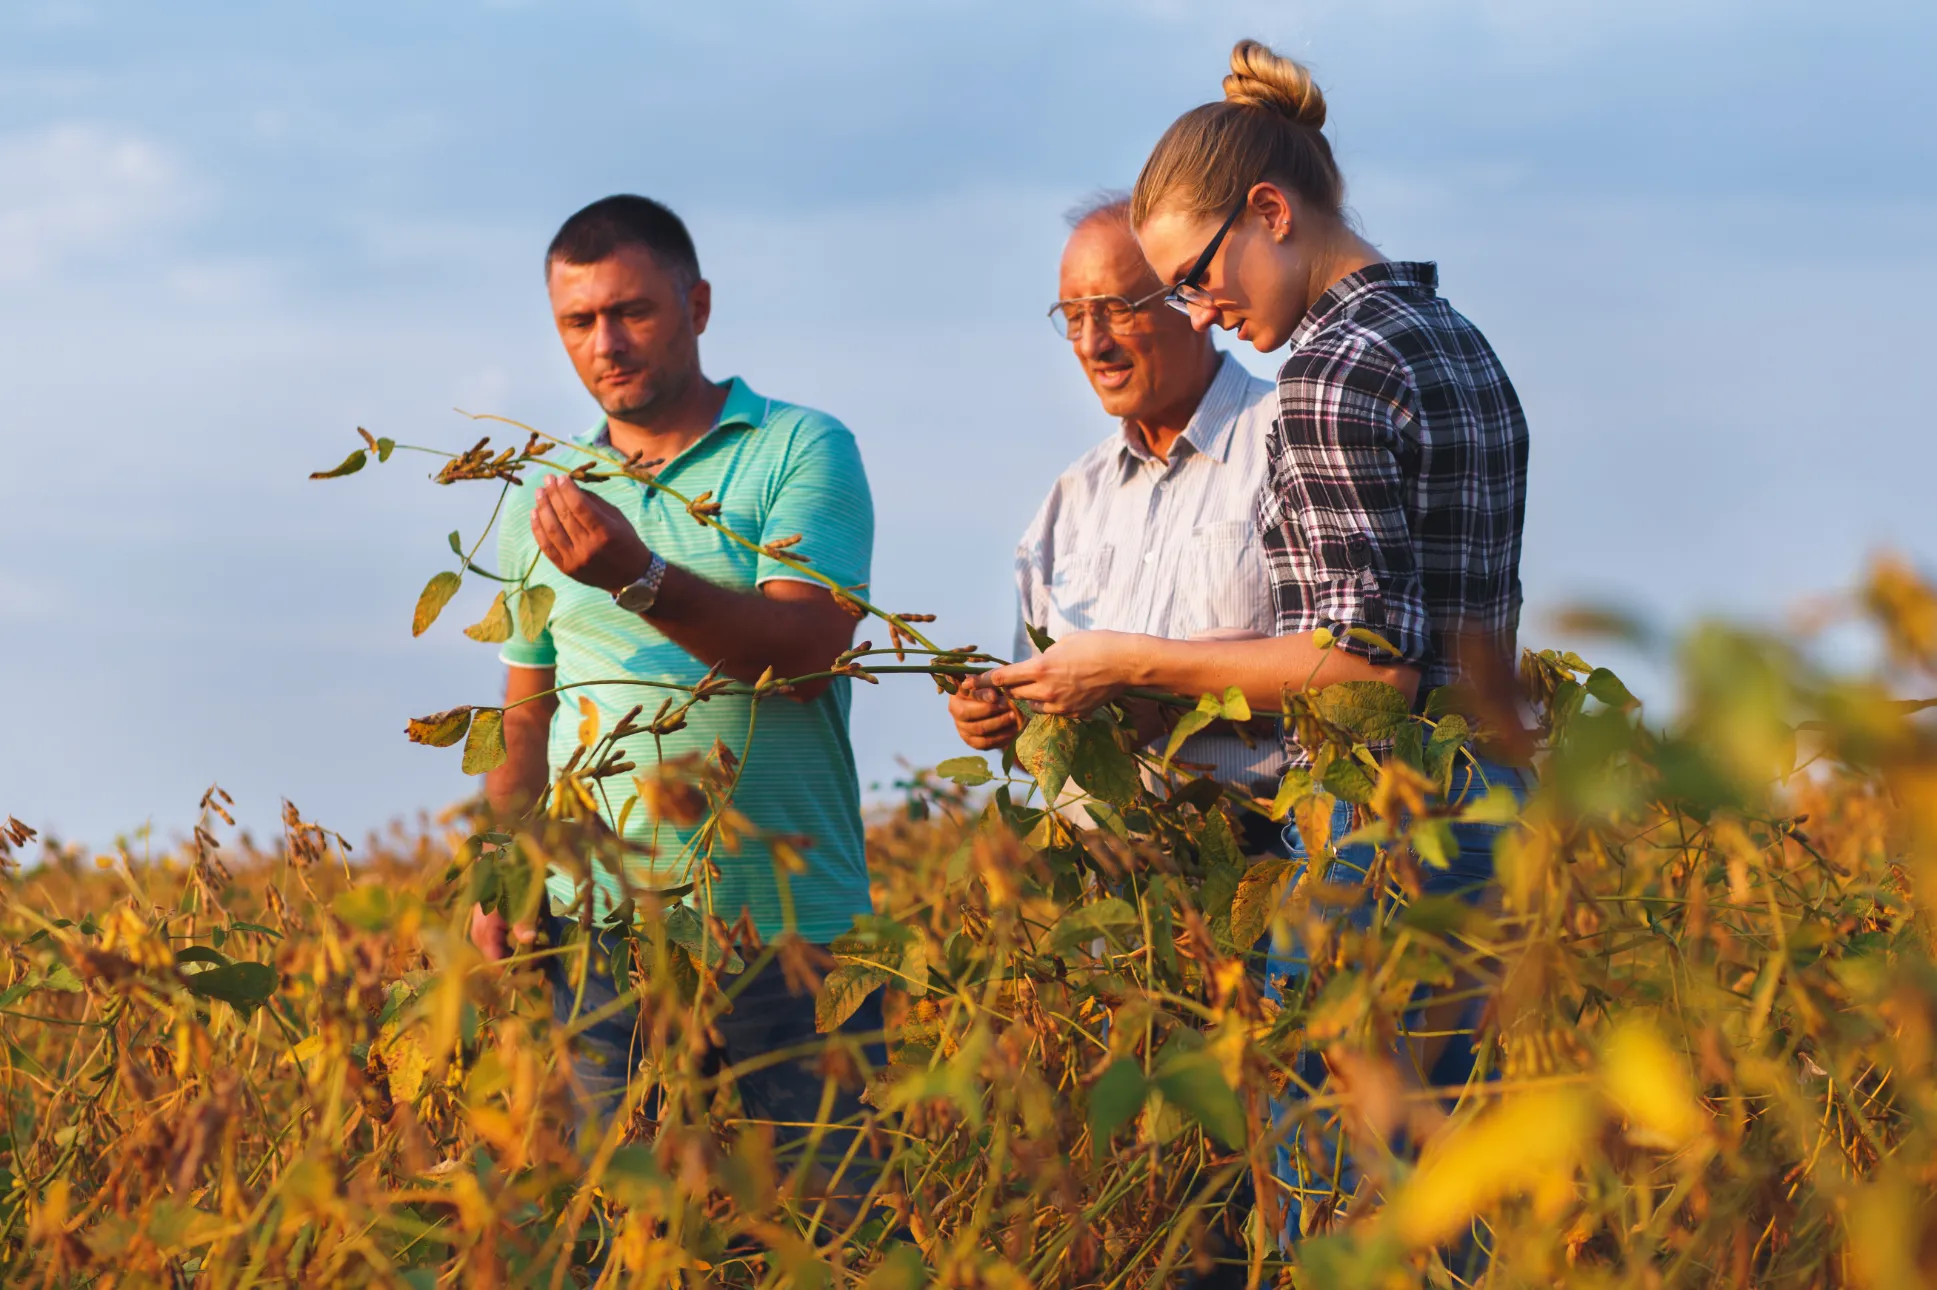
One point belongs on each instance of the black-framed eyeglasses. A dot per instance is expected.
(1187, 293)
(1072, 317)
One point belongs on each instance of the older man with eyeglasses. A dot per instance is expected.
(1154, 530)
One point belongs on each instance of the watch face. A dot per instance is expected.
(636, 599)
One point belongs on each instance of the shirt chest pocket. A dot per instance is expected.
(1222, 581)
(1077, 585)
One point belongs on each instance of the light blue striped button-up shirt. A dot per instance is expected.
(1127, 542)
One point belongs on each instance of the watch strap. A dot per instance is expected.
(638, 597)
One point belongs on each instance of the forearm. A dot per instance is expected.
(1260, 668)
(521, 778)
(746, 633)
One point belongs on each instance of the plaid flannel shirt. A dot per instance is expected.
(1398, 476)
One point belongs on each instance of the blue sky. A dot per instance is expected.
(1698, 234)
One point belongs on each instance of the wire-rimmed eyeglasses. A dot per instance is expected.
(1112, 313)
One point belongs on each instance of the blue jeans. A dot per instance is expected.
(1466, 877)
(765, 1017)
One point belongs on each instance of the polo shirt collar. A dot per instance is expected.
(1419, 278)
(1212, 426)
(743, 408)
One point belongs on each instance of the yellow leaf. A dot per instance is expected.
(588, 725)
(1888, 1220)
(495, 626)
(408, 1064)
(1649, 1082)
(1236, 706)
(1515, 1147)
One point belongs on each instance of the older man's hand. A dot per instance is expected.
(494, 936)
(984, 717)
(1075, 676)
(586, 536)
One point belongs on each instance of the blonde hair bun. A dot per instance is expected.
(1261, 78)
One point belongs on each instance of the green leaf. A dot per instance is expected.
(484, 748)
(535, 610)
(351, 464)
(1607, 687)
(1217, 842)
(684, 928)
(1346, 778)
(1294, 788)
(1103, 769)
(1041, 639)
(485, 884)
(1499, 806)
(257, 928)
(1409, 745)
(1194, 1082)
(439, 729)
(1436, 915)
(457, 544)
(384, 448)
(495, 625)
(1371, 710)
(1258, 894)
(1433, 842)
(902, 1269)
(22, 1060)
(1448, 700)
(371, 907)
(244, 984)
(1087, 922)
(1208, 709)
(1117, 1095)
(1044, 749)
(1442, 750)
(844, 990)
(966, 771)
(436, 594)
(200, 954)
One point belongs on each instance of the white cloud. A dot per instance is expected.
(75, 190)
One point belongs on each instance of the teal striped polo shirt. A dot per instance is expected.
(776, 470)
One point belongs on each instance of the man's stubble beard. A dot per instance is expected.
(659, 395)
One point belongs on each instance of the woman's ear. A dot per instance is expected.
(1276, 208)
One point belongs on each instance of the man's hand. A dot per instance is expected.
(586, 536)
(984, 718)
(1073, 678)
(493, 935)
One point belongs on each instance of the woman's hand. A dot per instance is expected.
(1075, 676)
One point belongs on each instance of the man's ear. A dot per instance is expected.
(699, 303)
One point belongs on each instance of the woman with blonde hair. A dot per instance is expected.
(1398, 461)
(1399, 458)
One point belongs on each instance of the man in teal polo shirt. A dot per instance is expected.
(644, 592)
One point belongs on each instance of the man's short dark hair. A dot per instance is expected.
(599, 230)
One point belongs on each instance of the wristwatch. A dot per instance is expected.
(638, 597)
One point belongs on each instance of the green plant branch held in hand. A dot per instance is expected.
(703, 509)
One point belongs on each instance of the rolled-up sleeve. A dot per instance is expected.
(822, 496)
(1345, 553)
